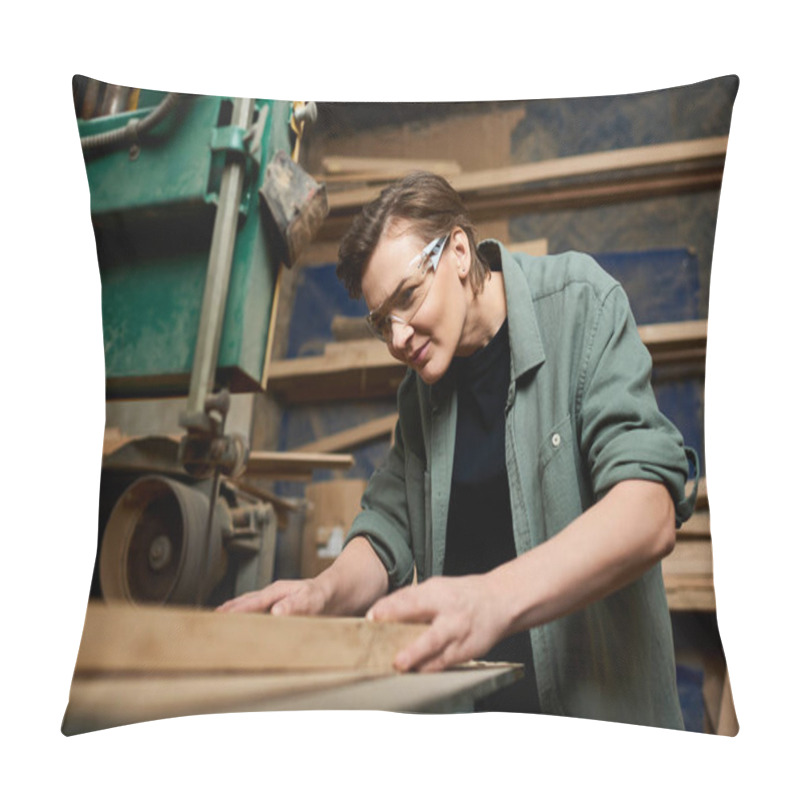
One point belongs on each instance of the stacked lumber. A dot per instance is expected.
(571, 182)
(688, 570)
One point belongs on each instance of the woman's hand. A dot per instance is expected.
(466, 616)
(355, 580)
(303, 597)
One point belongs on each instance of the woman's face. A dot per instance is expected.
(432, 337)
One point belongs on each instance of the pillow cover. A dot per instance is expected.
(214, 348)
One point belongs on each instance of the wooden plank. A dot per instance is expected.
(702, 493)
(698, 525)
(728, 722)
(391, 167)
(339, 374)
(713, 677)
(106, 701)
(506, 179)
(267, 462)
(690, 557)
(169, 639)
(674, 334)
(452, 691)
(690, 592)
(352, 437)
(273, 321)
(590, 191)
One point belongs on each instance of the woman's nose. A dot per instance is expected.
(401, 332)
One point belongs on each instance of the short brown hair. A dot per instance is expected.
(431, 206)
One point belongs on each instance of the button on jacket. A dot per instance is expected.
(580, 417)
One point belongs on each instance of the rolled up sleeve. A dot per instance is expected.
(623, 435)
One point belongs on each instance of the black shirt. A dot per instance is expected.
(479, 528)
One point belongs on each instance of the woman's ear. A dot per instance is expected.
(460, 244)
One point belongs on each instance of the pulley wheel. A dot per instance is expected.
(154, 542)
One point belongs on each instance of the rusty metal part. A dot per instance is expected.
(293, 206)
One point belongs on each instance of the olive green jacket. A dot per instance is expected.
(580, 417)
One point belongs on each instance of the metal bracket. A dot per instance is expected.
(231, 139)
(205, 449)
(243, 144)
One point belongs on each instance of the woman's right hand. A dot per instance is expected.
(355, 580)
(293, 597)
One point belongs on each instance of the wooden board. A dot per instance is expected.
(294, 465)
(107, 701)
(698, 525)
(690, 592)
(506, 179)
(357, 168)
(160, 639)
(702, 493)
(728, 722)
(102, 702)
(452, 691)
(352, 437)
(690, 557)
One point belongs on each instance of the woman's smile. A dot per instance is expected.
(419, 355)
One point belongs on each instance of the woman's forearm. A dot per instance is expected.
(611, 544)
(608, 546)
(355, 580)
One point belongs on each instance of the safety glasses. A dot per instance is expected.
(410, 294)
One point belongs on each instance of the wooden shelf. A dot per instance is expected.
(688, 569)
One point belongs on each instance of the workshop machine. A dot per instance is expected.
(197, 203)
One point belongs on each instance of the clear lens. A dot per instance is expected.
(412, 293)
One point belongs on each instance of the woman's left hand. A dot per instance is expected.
(466, 615)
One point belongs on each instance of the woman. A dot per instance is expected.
(533, 483)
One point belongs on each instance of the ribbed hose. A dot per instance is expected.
(134, 128)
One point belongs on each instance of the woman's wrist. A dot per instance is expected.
(354, 581)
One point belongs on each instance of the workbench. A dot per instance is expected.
(137, 664)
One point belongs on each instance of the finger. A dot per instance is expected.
(447, 658)
(255, 601)
(406, 605)
(425, 649)
(293, 605)
(245, 602)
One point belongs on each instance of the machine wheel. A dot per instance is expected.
(153, 544)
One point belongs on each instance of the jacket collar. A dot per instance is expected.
(525, 341)
(527, 351)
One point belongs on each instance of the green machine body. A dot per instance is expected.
(154, 175)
